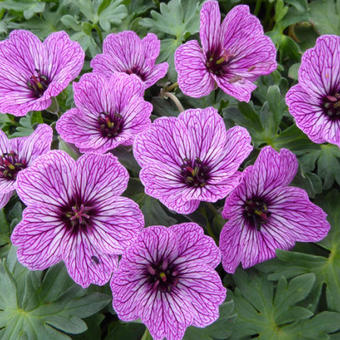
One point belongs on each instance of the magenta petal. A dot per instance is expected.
(38, 143)
(118, 224)
(193, 77)
(85, 263)
(319, 71)
(100, 176)
(65, 60)
(4, 198)
(272, 169)
(309, 116)
(48, 180)
(210, 25)
(303, 221)
(194, 245)
(38, 237)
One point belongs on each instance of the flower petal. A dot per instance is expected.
(194, 79)
(194, 245)
(99, 176)
(319, 73)
(310, 118)
(48, 180)
(38, 143)
(38, 237)
(86, 264)
(118, 223)
(4, 198)
(210, 26)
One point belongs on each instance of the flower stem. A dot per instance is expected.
(174, 99)
(99, 32)
(257, 7)
(171, 87)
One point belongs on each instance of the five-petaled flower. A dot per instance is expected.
(315, 100)
(31, 72)
(233, 54)
(75, 213)
(17, 154)
(110, 111)
(126, 52)
(266, 214)
(167, 279)
(191, 158)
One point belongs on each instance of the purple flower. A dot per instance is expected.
(109, 112)
(315, 100)
(167, 279)
(266, 214)
(191, 158)
(126, 52)
(17, 154)
(75, 213)
(233, 54)
(31, 72)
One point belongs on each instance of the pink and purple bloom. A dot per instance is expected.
(167, 279)
(75, 213)
(315, 101)
(126, 52)
(266, 214)
(109, 112)
(31, 72)
(191, 158)
(233, 54)
(17, 154)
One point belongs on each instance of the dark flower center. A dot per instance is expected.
(256, 212)
(10, 165)
(38, 83)
(110, 126)
(162, 275)
(331, 106)
(137, 71)
(195, 173)
(78, 216)
(217, 61)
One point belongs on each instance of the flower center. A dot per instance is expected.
(217, 61)
(162, 275)
(195, 173)
(110, 126)
(137, 71)
(331, 106)
(10, 165)
(256, 212)
(38, 83)
(77, 217)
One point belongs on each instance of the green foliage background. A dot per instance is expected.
(295, 296)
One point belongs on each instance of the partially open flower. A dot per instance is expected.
(31, 72)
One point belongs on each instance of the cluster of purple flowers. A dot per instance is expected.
(74, 209)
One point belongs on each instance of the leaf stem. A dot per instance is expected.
(174, 99)
(257, 7)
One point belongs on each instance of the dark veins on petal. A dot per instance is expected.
(162, 275)
(331, 106)
(256, 212)
(110, 125)
(195, 173)
(78, 215)
(10, 165)
(38, 83)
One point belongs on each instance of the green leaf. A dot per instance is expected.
(325, 15)
(28, 8)
(112, 14)
(32, 307)
(175, 18)
(220, 329)
(264, 312)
